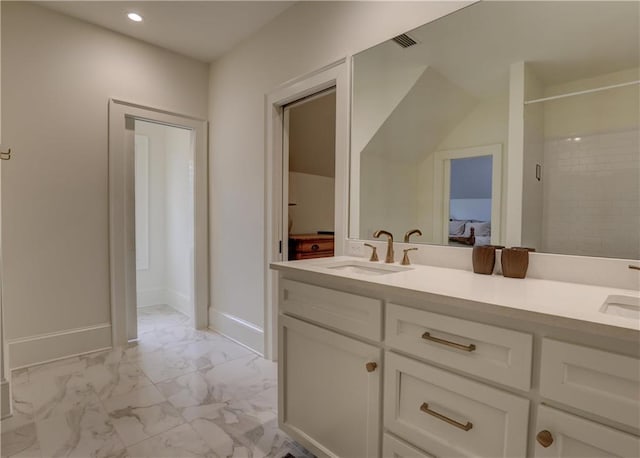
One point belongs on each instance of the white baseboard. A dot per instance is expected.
(243, 332)
(5, 399)
(152, 297)
(47, 347)
(179, 301)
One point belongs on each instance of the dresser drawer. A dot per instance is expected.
(314, 255)
(448, 415)
(312, 246)
(573, 436)
(395, 448)
(493, 353)
(603, 383)
(358, 315)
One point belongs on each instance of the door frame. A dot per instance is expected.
(122, 232)
(442, 188)
(335, 74)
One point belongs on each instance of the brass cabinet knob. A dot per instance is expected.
(371, 366)
(544, 438)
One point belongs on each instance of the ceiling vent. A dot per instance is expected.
(404, 40)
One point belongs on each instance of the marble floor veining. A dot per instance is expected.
(176, 392)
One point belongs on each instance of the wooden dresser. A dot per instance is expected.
(307, 246)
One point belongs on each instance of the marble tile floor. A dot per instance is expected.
(177, 392)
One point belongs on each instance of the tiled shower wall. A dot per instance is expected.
(592, 195)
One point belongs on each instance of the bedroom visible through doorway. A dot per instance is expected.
(309, 169)
(470, 201)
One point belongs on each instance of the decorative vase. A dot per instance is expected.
(515, 262)
(484, 259)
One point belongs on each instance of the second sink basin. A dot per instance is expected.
(624, 306)
(367, 268)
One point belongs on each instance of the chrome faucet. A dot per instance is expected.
(410, 233)
(389, 257)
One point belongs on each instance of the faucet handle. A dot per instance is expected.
(405, 258)
(374, 252)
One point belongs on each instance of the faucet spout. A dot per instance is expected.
(410, 233)
(389, 257)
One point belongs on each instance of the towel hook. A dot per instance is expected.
(5, 156)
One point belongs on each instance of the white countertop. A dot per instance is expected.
(553, 298)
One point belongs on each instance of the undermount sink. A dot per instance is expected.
(367, 268)
(624, 306)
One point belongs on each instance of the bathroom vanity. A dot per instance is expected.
(383, 360)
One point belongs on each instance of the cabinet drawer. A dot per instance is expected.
(493, 353)
(576, 437)
(593, 380)
(448, 415)
(347, 312)
(395, 448)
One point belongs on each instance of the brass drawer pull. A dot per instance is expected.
(315, 247)
(544, 438)
(465, 427)
(428, 336)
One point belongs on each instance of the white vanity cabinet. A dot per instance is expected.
(593, 380)
(329, 390)
(369, 371)
(562, 435)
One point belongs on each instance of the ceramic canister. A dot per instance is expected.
(484, 259)
(515, 262)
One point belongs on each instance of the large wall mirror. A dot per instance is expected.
(505, 123)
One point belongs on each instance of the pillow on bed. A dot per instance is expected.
(456, 227)
(482, 229)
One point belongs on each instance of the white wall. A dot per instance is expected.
(389, 193)
(313, 196)
(151, 282)
(615, 109)
(304, 38)
(485, 124)
(312, 136)
(533, 152)
(57, 76)
(378, 88)
(179, 219)
(476, 209)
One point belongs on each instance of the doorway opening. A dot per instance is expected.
(138, 235)
(309, 140)
(335, 75)
(470, 201)
(468, 196)
(164, 214)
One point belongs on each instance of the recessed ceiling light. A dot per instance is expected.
(577, 139)
(135, 17)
